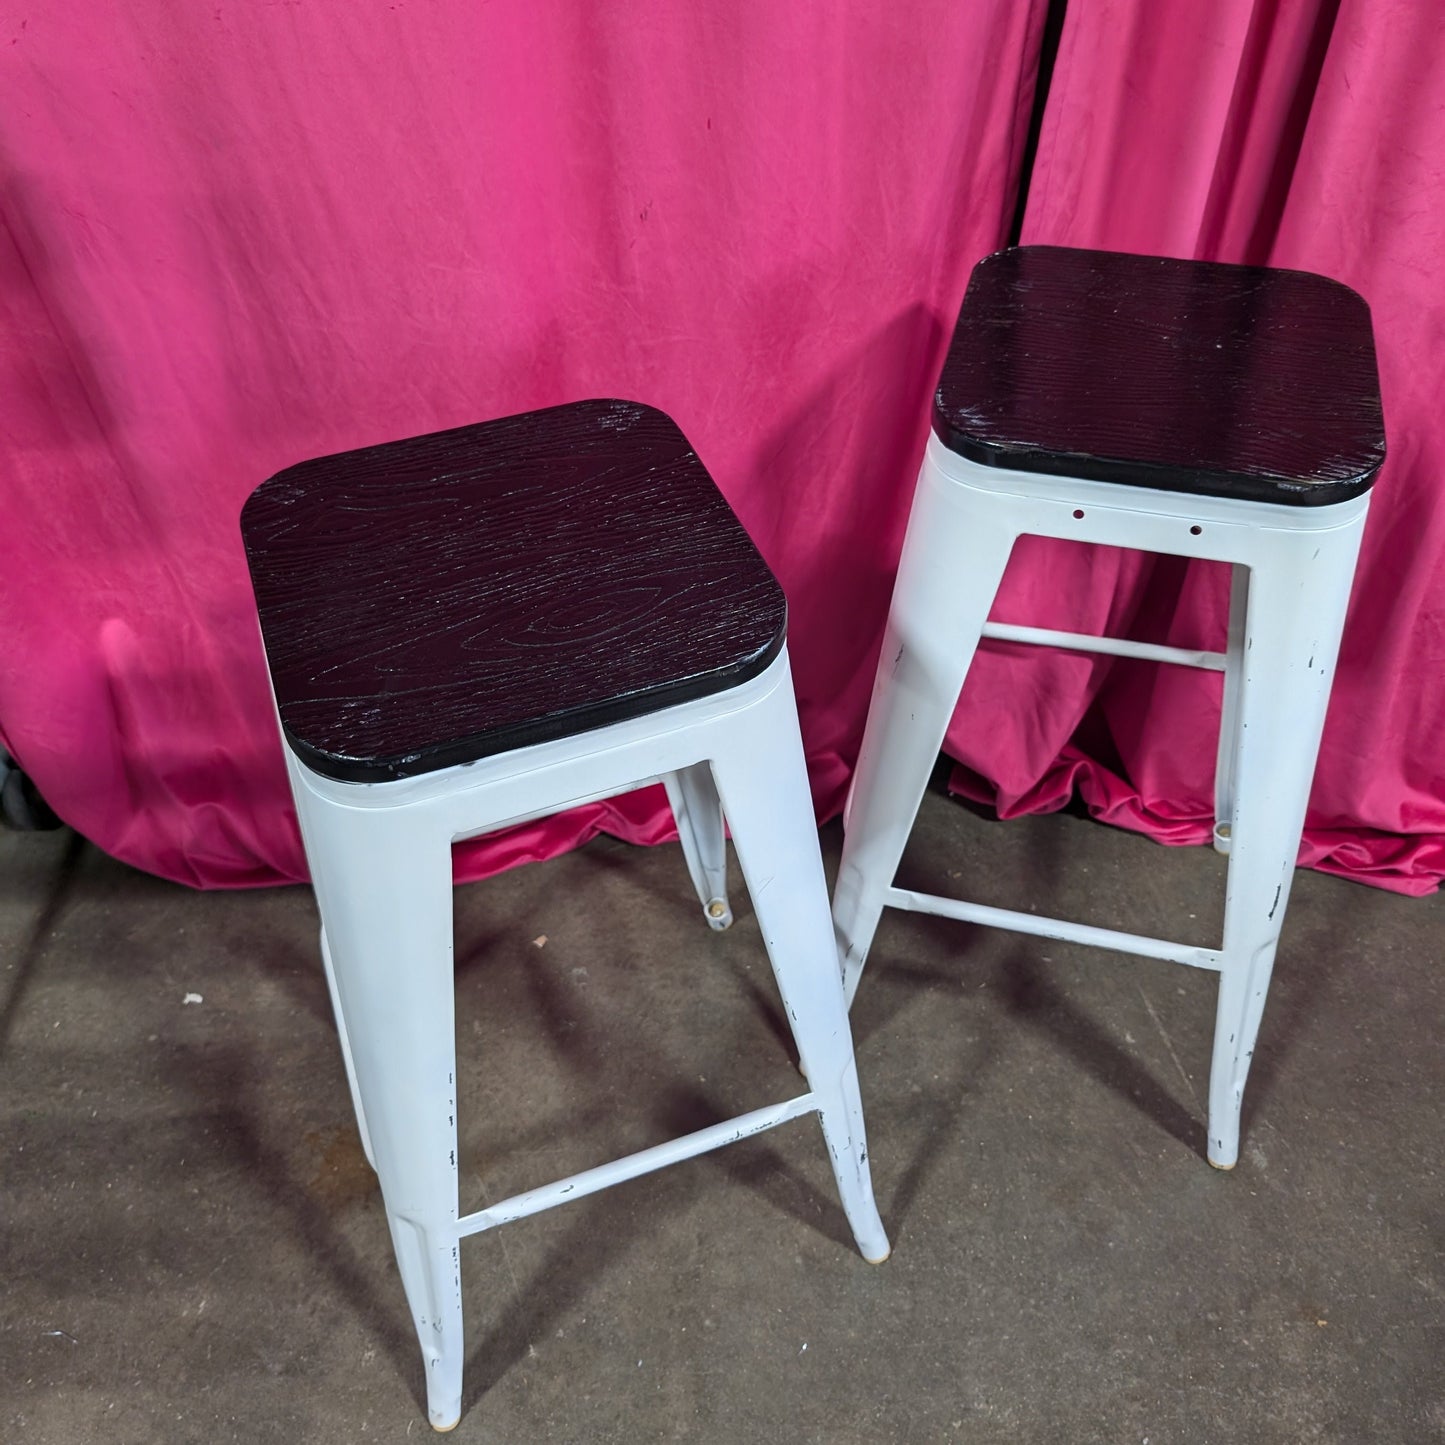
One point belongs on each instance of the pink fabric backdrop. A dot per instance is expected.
(243, 235)
(239, 236)
(1303, 133)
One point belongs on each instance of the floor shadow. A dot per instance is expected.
(682, 1109)
(877, 1003)
(767, 1008)
(224, 1083)
(757, 1165)
(1032, 998)
(935, 1117)
(582, 1257)
(33, 949)
(1028, 992)
(616, 857)
(1299, 989)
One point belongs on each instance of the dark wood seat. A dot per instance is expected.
(433, 601)
(1187, 376)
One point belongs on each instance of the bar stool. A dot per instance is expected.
(479, 627)
(1184, 407)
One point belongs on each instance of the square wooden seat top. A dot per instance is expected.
(1186, 376)
(429, 602)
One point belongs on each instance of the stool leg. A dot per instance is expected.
(340, 1017)
(949, 573)
(692, 793)
(385, 894)
(1229, 715)
(1294, 618)
(764, 784)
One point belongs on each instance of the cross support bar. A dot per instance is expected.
(589, 1181)
(1206, 958)
(1113, 646)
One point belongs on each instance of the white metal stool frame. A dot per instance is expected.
(1293, 569)
(380, 856)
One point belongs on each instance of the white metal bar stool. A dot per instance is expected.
(1185, 407)
(475, 628)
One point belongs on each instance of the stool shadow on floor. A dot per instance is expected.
(560, 1022)
(1027, 987)
(33, 949)
(1031, 996)
(574, 1030)
(573, 1023)
(872, 1018)
(224, 1084)
(294, 965)
(582, 1257)
(936, 1111)
(222, 1088)
(1305, 976)
(709, 950)
(616, 859)
(757, 1166)
(1024, 991)
(762, 999)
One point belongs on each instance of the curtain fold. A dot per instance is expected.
(236, 237)
(1297, 133)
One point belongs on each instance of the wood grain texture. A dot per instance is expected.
(432, 601)
(1236, 381)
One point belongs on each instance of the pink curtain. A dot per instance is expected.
(238, 236)
(1300, 133)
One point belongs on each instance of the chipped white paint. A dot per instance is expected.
(692, 795)
(1292, 570)
(578, 1186)
(380, 858)
(1059, 928)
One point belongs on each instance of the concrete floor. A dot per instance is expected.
(194, 1249)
